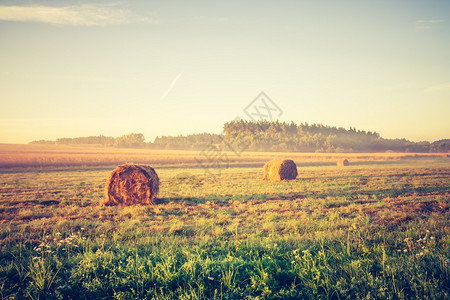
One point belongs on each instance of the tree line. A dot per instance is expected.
(269, 136)
(282, 136)
(132, 140)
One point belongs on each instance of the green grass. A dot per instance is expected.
(368, 231)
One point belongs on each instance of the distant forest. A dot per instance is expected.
(242, 135)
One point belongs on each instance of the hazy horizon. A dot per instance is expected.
(85, 68)
(147, 140)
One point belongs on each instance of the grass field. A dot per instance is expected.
(376, 229)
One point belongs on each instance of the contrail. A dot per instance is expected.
(172, 84)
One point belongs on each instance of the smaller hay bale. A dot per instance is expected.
(342, 163)
(279, 169)
(131, 184)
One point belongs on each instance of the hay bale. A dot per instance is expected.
(279, 169)
(342, 163)
(132, 184)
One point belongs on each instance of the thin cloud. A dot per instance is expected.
(425, 24)
(172, 84)
(77, 15)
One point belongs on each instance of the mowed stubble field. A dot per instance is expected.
(378, 228)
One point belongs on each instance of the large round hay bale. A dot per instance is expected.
(279, 169)
(131, 184)
(342, 163)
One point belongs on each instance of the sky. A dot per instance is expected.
(82, 68)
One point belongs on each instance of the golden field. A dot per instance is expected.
(32, 156)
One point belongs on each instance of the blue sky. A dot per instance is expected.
(79, 68)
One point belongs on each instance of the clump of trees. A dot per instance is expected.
(282, 136)
(88, 140)
(187, 142)
(440, 146)
(132, 140)
(269, 136)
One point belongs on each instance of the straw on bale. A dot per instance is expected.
(279, 169)
(342, 163)
(131, 184)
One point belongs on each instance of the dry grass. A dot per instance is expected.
(61, 156)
